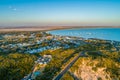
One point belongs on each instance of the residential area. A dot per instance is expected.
(38, 67)
(36, 42)
(42, 56)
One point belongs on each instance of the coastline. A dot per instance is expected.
(49, 28)
(99, 33)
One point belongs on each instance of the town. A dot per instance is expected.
(40, 41)
(36, 42)
(47, 54)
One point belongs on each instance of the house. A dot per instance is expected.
(44, 60)
(47, 56)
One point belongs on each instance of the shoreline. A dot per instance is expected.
(98, 33)
(50, 28)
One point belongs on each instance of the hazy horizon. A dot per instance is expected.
(59, 13)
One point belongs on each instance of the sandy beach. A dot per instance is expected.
(46, 28)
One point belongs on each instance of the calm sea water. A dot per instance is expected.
(101, 33)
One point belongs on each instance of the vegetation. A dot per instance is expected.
(15, 66)
(60, 57)
(109, 61)
(67, 76)
(15, 62)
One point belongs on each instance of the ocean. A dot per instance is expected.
(100, 33)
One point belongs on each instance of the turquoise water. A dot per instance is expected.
(37, 73)
(101, 33)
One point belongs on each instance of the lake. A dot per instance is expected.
(101, 33)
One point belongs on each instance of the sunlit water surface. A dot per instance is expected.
(101, 33)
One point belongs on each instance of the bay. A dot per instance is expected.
(100, 33)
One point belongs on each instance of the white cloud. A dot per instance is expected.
(12, 8)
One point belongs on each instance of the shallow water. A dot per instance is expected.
(101, 33)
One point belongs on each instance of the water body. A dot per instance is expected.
(101, 33)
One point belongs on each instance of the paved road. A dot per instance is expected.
(69, 65)
(117, 49)
(115, 45)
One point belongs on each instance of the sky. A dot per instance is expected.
(59, 12)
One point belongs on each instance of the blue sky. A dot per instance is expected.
(59, 12)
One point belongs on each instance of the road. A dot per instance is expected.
(117, 49)
(69, 65)
(115, 45)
